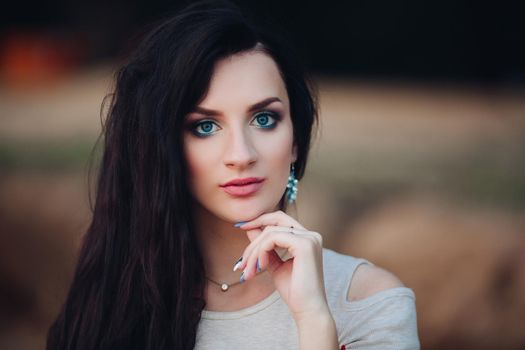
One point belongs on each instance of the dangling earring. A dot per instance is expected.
(292, 186)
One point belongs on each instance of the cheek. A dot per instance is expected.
(196, 160)
(278, 147)
(277, 156)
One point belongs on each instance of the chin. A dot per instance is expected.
(246, 212)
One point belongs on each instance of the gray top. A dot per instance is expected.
(385, 320)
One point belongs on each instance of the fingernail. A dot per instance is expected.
(237, 264)
(258, 266)
(242, 277)
(240, 223)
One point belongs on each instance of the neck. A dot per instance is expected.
(221, 245)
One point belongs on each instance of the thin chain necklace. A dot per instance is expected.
(225, 286)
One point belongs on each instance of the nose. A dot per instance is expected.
(240, 151)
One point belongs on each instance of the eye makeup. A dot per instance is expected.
(262, 118)
(205, 123)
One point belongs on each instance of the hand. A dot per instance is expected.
(299, 279)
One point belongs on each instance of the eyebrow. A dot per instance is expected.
(258, 105)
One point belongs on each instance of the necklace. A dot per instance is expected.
(224, 286)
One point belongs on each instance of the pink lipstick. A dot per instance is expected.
(243, 187)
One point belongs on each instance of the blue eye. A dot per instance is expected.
(263, 119)
(206, 126)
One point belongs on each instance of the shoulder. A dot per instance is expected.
(379, 311)
(358, 277)
(369, 279)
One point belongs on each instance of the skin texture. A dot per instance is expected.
(236, 145)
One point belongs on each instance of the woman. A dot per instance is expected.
(206, 138)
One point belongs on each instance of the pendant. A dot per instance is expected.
(224, 287)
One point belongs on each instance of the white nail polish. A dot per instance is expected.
(237, 265)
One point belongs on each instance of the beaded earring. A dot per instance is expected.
(291, 192)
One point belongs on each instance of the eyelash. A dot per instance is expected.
(193, 126)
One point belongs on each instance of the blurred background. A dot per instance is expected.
(419, 164)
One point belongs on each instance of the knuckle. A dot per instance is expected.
(269, 236)
(313, 242)
(318, 237)
(267, 229)
(282, 214)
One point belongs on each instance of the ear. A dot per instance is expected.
(294, 153)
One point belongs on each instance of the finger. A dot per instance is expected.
(269, 260)
(251, 264)
(277, 218)
(271, 241)
(255, 242)
(253, 233)
(272, 228)
(280, 239)
(262, 258)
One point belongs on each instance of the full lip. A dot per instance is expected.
(244, 181)
(243, 187)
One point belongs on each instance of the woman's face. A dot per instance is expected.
(242, 129)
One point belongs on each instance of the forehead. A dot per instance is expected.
(245, 77)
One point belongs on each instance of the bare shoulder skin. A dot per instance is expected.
(369, 280)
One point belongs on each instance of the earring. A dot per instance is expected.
(292, 186)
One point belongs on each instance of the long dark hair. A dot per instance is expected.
(139, 282)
